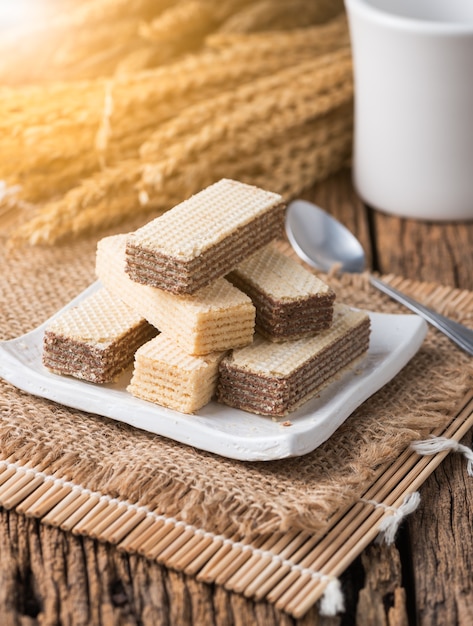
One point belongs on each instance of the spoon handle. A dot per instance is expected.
(458, 333)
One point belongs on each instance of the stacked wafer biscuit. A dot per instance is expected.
(96, 339)
(276, 378)
(290, 302)
(203, 275)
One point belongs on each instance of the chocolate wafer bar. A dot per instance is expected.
(166, 375)
(276, 378)
(95, 340)
(290, 301)
(204, 237)
(216, 318)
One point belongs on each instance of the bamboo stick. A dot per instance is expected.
(60, 513)
(19, 490)
(298, 603)
(85, 503)
(284, 545)
(124, 525)
(140, 534)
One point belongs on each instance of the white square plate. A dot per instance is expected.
(217, 428)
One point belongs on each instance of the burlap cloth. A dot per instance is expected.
(208, 491)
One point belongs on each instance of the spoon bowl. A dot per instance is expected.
(323, 242)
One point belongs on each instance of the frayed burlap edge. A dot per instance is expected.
(219, 494)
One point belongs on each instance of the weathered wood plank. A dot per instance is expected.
(441, 552)
(382, 601)
(439, 533)
(425, 251)
(50, 577)
(441, 546)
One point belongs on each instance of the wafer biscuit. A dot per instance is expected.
(166, 375)
(96, 339)
(290, 301)
(216, 318)
(276, 378)
(204, 237)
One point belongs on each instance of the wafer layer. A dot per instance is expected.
(204, 237)
(96, 339)
(166, 375)
(216, 318)
(290, 301)
(275, 378)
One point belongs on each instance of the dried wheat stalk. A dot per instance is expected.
(317, 37)
(97, 152)
(281, 15)
(135, 187)
(74, 40)
(287, 168)
(54, 129)
(264, 104)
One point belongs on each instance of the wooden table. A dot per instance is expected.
(47, 577)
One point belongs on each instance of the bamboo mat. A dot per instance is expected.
(55, 464)
(290, 569)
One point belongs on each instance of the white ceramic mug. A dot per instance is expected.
(413, 72)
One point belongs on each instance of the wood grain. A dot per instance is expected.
(441, 547)
(382, 601)
(425, 251)
(50, 577)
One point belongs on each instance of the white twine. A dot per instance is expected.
(332, 601)
(390, 524)
(434, 445)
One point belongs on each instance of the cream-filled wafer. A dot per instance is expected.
(216, 318)
(95, 340)
(290, 301)
(204, 237)
(168, 376)
(276, 378)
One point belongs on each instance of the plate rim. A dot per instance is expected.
(283, 443)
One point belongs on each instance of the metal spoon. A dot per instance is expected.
(322, 241)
